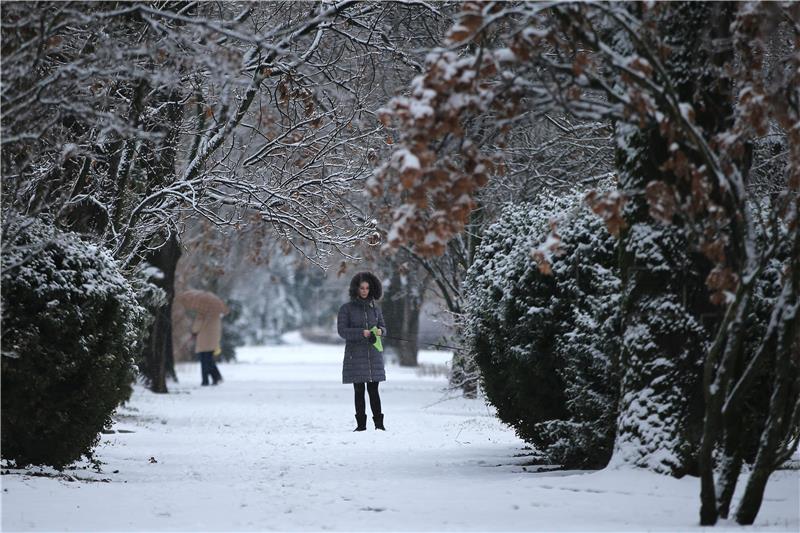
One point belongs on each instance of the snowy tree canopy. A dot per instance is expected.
(123, 119)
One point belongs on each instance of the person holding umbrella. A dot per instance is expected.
(360, 323)
(206, 329)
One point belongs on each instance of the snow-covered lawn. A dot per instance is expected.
(272, 449)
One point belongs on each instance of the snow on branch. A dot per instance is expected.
(127, 120)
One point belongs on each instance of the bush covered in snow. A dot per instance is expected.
(545, 342)
(71, 325)
(548, 345)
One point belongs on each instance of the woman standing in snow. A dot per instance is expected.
(363, 363)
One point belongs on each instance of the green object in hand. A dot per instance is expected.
(377, 344)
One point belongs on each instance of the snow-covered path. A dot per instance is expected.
(272, 449)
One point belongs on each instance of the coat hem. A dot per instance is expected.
(358, 379)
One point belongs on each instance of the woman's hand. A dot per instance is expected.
(366, 333)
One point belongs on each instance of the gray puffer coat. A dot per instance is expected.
(362, 362)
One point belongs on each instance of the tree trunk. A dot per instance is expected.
(409, 350)
(159, 162)
(718, 374)
(730, 468)
(401, 311)
(391, 306)
(158, 359)
(402, 306)
(765, 460)
(779, 425)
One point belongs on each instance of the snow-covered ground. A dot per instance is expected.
(272, 449)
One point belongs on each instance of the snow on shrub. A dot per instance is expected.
(545, 343)
(71, 326)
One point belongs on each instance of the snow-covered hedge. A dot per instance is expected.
(71, 326)
(545, 344)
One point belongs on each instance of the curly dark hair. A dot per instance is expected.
(375, 288)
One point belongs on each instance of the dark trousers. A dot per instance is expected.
(208, 367)
(374, 398)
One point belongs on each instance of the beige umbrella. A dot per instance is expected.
(201, 301)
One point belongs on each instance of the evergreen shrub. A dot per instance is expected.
(71, 325)
(546, 343)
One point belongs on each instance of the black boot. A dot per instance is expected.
(378, 419)
(361, 420)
